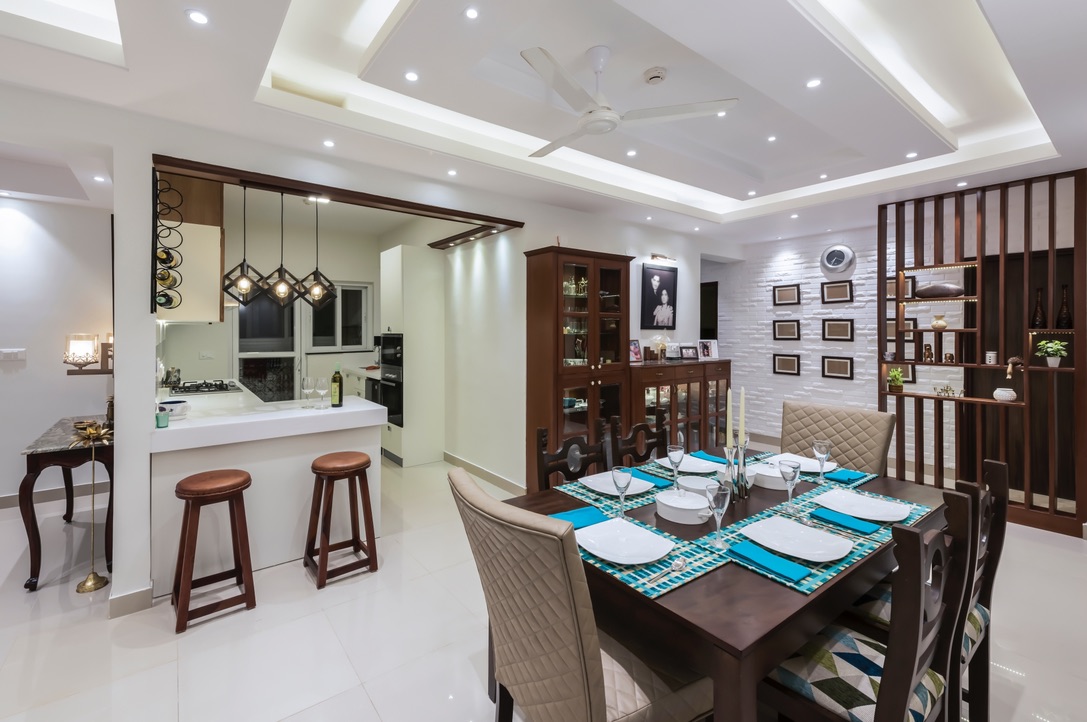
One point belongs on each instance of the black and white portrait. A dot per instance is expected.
(658, 296)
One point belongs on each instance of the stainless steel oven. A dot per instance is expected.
(392, 351)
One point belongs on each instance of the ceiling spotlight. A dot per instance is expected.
(814, 83)
(750, 193)
(317, 199)
(649, 218)
(631, 153)
(452, 244)
(721, 114)
(471, 13)
(772, 138)
(493, 231)
(961, 184)
(5, 194)
(451, 172)
(795, 215)
(99, 179)
(197, 17)
(411, 76)
(823, 176)
(330, 144)
(911, 155)
(697, 228)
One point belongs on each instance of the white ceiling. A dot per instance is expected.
(982, 91)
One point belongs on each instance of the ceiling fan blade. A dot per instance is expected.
(559, 80)
(556, 144)
(645, 116)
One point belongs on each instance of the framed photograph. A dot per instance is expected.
(658, 296)
(787, 295)
(837, 329)
(635, 350)
(688, 353)
(911, 283)
(838, 367)
(837, 292)
(907, 323)
(787, 363)
(707, 348)
(671, 350)
(787, 330)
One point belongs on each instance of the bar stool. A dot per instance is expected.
(328, 469)
(199, 490)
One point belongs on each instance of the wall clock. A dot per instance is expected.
(837, 259)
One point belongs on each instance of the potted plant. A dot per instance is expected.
(1052, 350)
(894, 380)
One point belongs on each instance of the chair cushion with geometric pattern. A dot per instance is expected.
(841, 670)
(976, 624)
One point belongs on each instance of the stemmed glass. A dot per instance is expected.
(790, 471)
(307, 389)
(620, 476)
(322, 389)
(821, 447)
(718, 496)
(675, 458)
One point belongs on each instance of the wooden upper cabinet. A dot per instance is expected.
(195, 211)
(201, 200)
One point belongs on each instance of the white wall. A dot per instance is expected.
(54, 280)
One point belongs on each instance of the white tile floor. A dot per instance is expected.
(403, 645)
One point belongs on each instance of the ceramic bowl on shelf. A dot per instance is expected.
(176, 408)
(686, 508)
(1003, 394)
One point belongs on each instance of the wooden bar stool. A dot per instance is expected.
(328, 469)
(198, 490)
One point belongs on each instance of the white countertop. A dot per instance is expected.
(363, 372)
(231, 418)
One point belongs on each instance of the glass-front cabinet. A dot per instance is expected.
(716, 384)
(692, 396)
(593, 324)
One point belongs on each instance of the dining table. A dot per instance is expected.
(733, 624)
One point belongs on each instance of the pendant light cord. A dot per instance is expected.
(281, 230)
(245, 199)
(317, 235)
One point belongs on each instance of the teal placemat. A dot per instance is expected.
(821, 573)
(665, 472)
(604, 502)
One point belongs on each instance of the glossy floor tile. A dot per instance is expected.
(407, 643)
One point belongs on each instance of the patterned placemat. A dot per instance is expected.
(664, 472)
(606, 503)
(813, 478)
(821, 573)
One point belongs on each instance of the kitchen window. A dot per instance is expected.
(344, 324)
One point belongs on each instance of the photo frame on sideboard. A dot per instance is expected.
(707, 348)
(787, 329)
(787, 364)
(635, 350)
(688, 353)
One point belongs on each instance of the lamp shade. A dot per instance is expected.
(81, 349)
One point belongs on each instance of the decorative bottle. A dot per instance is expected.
(1038, 319)
(1064, 316)
(336, 392)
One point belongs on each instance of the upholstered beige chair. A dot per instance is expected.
(860, 437)
(549, 656)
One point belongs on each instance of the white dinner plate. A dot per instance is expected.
(861, 506)
(808, 466)
(603, 484)
(789, 537)
(692, 465)
(623, 542)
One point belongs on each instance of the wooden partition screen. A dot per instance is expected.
(1018, 252)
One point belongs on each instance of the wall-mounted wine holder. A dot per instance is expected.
(166, 278)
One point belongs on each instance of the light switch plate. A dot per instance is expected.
(206, 355)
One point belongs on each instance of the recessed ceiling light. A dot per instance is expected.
(911, 155)
(451, 172)
(493, 231)
(649, 218)
(814, 83)
(795, 215)
(330, 144)
(452, 244)
(697, 228)
(751, 193)
(4, 193)
(631, 153)
(100, 179)
(721, 114)
(772, 138)
(471, 13)
(411, 76)
(318, 199)
(197, 17)
(828, 230)
(823, 176)
(961, 184)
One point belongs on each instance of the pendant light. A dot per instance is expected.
(281, 285)
(317, 290)
(242, 283)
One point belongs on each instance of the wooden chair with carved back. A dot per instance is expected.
(644, 442)
(574, 460)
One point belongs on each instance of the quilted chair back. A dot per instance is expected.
(546, 648)
(860, 437)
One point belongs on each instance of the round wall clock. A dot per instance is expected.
(837, 259)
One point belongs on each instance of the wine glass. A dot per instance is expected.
(675, 458)
(321, 388)
(821, 447)
(620, 476)
(307, 389)
(718, 496)
(790, 472)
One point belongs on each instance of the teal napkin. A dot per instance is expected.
(585, 516)
(845, 520)
(654, 480)
(845, 475)
(709, 457)
(769, 562)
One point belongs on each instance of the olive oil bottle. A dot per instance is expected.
(337, 388)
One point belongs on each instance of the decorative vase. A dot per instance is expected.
(1038, 319)
(938, 322)
(1003, 394)
(1064, 316)
(1053, 361)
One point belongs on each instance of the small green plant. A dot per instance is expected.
(894, 377)
(1052, 349)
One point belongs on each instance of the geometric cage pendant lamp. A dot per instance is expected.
(317, 290)
(281, 285)
(243, 282)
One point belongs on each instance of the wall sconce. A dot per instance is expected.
(659, 257)
(82, 350)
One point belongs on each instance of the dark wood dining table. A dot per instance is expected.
(732, 624)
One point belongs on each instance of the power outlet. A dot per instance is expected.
(206, 356)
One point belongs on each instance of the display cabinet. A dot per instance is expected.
(692, 395)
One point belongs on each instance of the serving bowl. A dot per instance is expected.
(176, 408)
(686, 508)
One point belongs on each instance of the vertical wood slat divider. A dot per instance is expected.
(938, 443)
(1079, 339)
(1028, 252)
(919, 440)
(938, 230)
(1002, 413)
(900, 404)
(918, 232)
(1051, 321)
(979, 255)
(881, 327)
(959, 244)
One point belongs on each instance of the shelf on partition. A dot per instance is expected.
(953, 299)
(956, 399)
(1050, 369)
(940, 267)
(934, 330)
(1035, 331)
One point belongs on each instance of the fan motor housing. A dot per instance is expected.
(599, 121)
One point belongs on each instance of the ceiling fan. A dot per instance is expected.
(597, 117)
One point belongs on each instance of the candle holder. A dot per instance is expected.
(91, 435)
(741, 485)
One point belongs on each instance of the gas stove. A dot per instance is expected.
(186, 388)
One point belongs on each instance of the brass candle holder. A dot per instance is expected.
(90, 435)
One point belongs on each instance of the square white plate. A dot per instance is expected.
(861, 506)
(603, 484)
(692, 465)
(623, 542)
(792, 538)
(808, 466)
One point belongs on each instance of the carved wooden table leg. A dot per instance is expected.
(30, 521)
(68, 494)
(109, 515)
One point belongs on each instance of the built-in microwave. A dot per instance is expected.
(392, 349)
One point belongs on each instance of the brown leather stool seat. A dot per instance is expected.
(327, 470)
(198, 490)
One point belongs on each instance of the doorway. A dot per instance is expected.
(707, 312)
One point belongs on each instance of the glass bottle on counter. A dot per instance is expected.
(337, 388)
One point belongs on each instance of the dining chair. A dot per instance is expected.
(860, 437)
(549, 656)
(842, 673)
(644, 442)
(573, 460)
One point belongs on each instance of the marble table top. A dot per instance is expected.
(60, 435)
